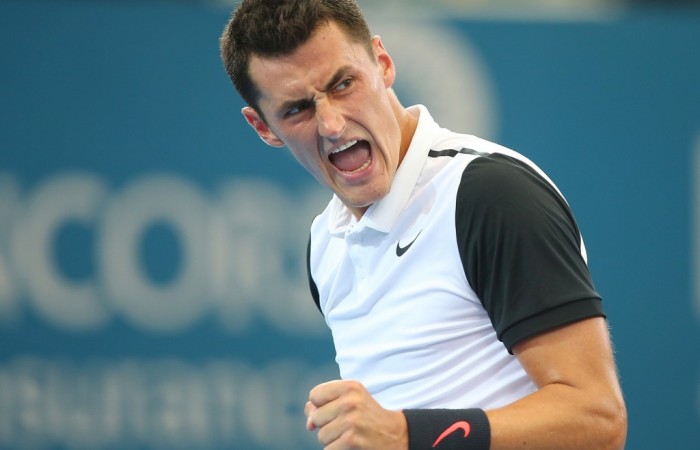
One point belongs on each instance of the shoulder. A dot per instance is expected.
(501, 186)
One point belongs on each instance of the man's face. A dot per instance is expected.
(331, 104)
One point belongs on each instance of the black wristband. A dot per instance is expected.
(448, 429)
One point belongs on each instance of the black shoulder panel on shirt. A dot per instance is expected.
(312, 283)
(520, 248)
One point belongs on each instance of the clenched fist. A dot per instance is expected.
(348, 418)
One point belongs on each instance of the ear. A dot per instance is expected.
(385, 62)
(260, 127)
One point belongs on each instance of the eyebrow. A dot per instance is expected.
(335, 79)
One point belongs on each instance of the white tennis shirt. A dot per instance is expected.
(473, 248)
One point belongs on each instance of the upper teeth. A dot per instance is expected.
(345, 146)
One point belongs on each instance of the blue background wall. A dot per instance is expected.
(152, 290)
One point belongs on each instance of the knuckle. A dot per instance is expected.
(354, 385)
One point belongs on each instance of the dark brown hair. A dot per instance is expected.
(270, 28)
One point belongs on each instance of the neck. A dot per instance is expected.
(408, 124)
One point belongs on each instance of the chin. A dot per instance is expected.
(366, 202)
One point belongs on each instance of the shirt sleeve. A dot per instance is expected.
(521, 249)
(312, 284)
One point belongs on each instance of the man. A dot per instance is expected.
(450, 269)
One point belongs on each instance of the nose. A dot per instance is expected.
(331, 122)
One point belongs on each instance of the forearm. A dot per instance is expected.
(578, 403)
(560, 417)
(556, 417)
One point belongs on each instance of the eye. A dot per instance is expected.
(292, 111)
(343, 85)
(297, 108)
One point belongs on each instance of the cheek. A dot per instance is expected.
(307, 157)
(303, 145)
(387, 131)
(304, 159)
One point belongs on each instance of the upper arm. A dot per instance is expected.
(576, 355)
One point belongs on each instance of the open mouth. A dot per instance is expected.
(351, 157)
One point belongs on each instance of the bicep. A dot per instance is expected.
(578, 355)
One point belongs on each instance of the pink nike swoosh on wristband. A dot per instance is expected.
(461, 425)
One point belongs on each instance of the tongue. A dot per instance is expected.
(352, 158)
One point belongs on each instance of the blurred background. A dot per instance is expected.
(152, 280)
